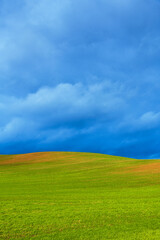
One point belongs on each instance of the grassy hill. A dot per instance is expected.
(62, 195)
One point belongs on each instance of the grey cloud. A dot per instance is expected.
(70, 108)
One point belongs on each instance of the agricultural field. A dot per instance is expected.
(80, 196)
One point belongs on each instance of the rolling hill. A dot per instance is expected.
(81, 196)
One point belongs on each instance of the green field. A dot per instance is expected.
(60, 195)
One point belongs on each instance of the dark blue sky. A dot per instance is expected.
(80, 75)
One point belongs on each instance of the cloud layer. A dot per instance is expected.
(80, 76)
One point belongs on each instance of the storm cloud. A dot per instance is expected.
(80, 76)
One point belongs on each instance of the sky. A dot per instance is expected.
(80, 75)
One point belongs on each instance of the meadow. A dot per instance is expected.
(80, 196)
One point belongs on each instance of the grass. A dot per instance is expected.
(79, 196)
